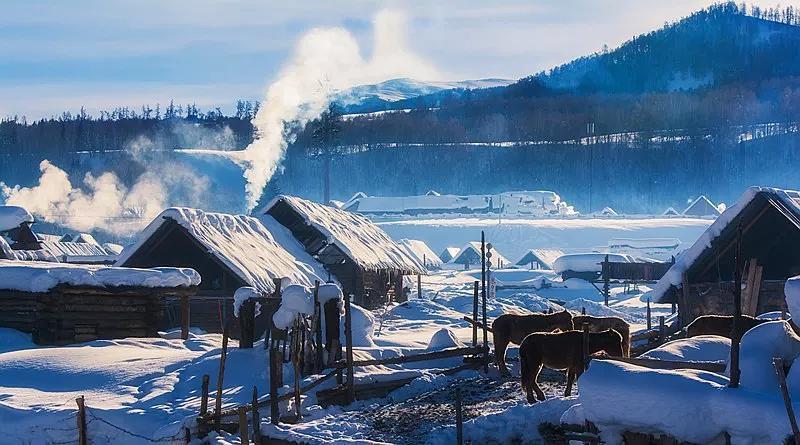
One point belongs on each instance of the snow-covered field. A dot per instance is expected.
(150, 387)
(513, 237)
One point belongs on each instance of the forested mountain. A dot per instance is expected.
(706, 105)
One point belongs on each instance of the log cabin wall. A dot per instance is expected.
(717, 298)
(18, 310)
(70, 314)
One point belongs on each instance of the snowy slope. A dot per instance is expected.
(398, 89)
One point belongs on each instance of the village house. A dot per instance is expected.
(537, 259)
(422, 253)
(366, 261)
(701, 280)
(228, 252)
(68, 303)
(701, 206)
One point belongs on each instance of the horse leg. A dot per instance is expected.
(570, 381)
(535, 384)
(500, 346)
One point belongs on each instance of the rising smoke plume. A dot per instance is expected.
(324, 60)
(102, 201)
(105, 202)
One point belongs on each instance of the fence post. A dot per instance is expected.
(243, 425)
(662, 328)
(649, 321)
(348, 333)
(585, 348)
(419, 286)
(81, 421)
(318, 333)
(247, 324)
(475, 314)
(459, 418)
(483, 298)
(256, 418)
(221, 378)
(606, 280)
(778, 364)
(204, 396)
(736, 335)
(185, 317)
(275, 360)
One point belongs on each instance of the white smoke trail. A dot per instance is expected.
(324, 60)
(103, 202)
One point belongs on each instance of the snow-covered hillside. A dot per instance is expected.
(398, 89)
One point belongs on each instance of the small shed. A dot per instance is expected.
(422, 253)
(539, 258)
(701, 280)
(229, 252)
(448, 253)
(367, 262)
(608, 211)
(701, 206)
(470, 256)
(68, 303)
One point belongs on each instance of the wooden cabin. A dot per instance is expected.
(701, 206)
(448, 254)
(229, 252)
(66, 303)
(470, 257)
(701, 280)
(366, 261)
(539, 258)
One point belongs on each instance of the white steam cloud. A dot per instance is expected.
(105, 202)
(324, 60)
(102, 202)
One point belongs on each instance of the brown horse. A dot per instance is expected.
(561, 351)
(598, 324)
(511, 328)
(721, 325)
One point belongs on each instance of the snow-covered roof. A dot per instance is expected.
(702, 206)
(356, 236)
(673, 277)
(448, 253)
(12, 217)
(34, 276)
(608, 211)
(47, 237)
(254, 250)
(670, 212)
(472, 250)
(421, 252)
(61, 248)
(645, 243)
(546, 257)
(112, 249)
(7, 253)
(587, 262)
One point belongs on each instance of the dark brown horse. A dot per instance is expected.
(510, 328)
(561, 351)
(598, 324)
(721, 325)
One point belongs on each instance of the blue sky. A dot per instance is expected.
(57, 55)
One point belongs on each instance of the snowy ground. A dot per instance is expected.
(514, 236)
(149, 387)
